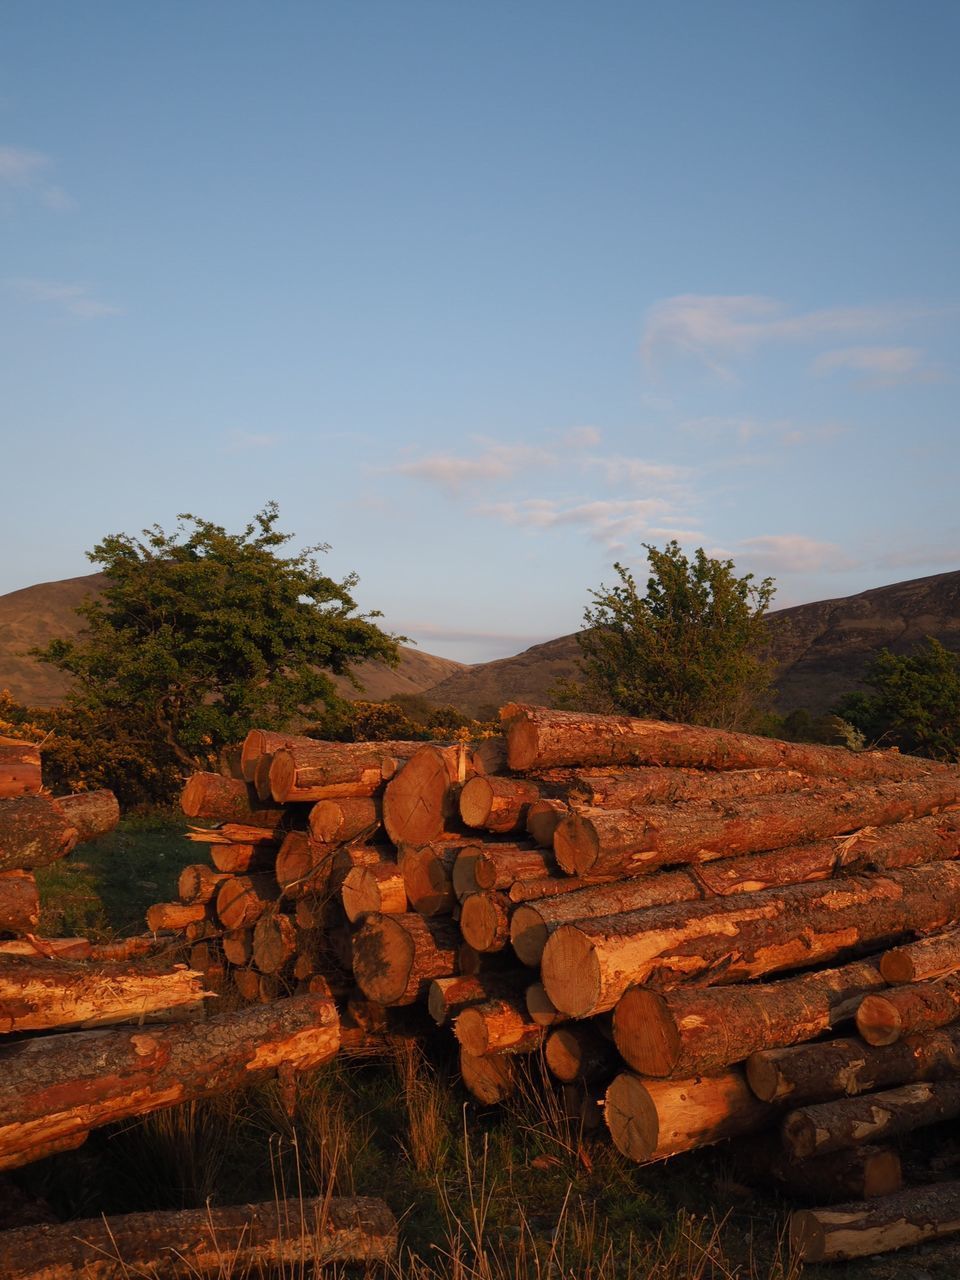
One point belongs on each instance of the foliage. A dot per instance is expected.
(201, 633)
(689, 650)
(407, 717)
(801, 725)
(915, 704)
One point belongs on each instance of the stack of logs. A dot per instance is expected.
(621, 895)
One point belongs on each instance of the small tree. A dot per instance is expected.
(689, 650)
(915, 704)
(201, 633)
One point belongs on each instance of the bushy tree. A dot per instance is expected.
(201, 633)
(915, 703)
(690, 649)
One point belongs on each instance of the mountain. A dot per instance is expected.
(820, 649)
(36, 615)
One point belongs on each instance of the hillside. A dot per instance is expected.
(36, 615)
(821, 649)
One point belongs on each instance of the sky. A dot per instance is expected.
(485, 296)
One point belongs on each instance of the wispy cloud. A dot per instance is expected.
(26, 171)
(780, 431)
(494, 462)
(635, 473)
(246, 441)
(581, 437)
(794, 553)
(880, 366)
(612, 522)
(73, 299)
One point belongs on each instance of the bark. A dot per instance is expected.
(485, 921)
(446, 997)
(863, 1228)
(52, 948)
(421, 802)
(875, 1117)
(56, 1088)
(231, 833)
(255, 1238)
(845, 1067)
(174, 915)
(907, 844)
(490, 1078)
(919, 961)
(587, 966)
(265, 742)
(497, 1025)
(428, 876)
(241, 900)
(653, 1119)
(335, 770)
(493, 861)
(395, 957)
(498, 804)
(854, 1173)
(38, 994)
(20, 770)
(630, 788)
(340, 821)
(634, 842)
(243, 858)
(199, 882)
(34, 831)
(274, 941)
(543, 816)
(693, 1031)
(211, 795)
(19, 902)
(578, 1051)
(886, 1016)
(538, 738)
(378, 888)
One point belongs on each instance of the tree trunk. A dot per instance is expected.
(538, 738)
(498, 804)
(57, 1088)
(692, 1031)
(653, 1119)
(395, 957)
(428, 876)
(490, 1078)
(634, 842)
(498, 1025)
(250, 1238)
(199, 882)
(19, 902)
(422, 801)
(340, 821)
(887, 1016)
(335, 770)
(241, 900)
(485, 920)
(464, 877)
(20, 770)
(919, 961)
(274, 941)
(379, 889)
(864, 1228)
(38, 994)
(578, 1051)
(446, 997)
(543, 818)
(874, 1117)
(587, 966)
(211, 795)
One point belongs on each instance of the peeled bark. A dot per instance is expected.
(485, 920)
(265, 742)
(587, 966)
(497, 804)
(395, 957)
(695, 1031)
(538, 738)
(19, 902)
(820, 1071)
(211, 795)
(335, 770)
(421, 802)
(489, 1078)
(864, 1228)
(543, 817)
(241, 900)
(495, 862)
(428, 876)
(379, 889)
(886, 1016)
(255, 1238)
(20, 770)
(498, 1025)
(874, 1117)
(637, 841)
(274, 941)
(38, 994)
(577, 1051)
(54, 1089)
(174, 915)
(199, 882)
(906, 844)
(919, 961)
(339, 821)
(52, 948)
(231, 833)
(653, 1119)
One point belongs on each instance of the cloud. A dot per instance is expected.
(581, 438)
(244, 441)
(795, 553)
(782, 431)
(24, 170)
(74, 299)
(612, 522)
(496, 462)
(882, 366)
(637, 472)
(713, 327)
(435, 631)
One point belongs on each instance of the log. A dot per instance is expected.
(34, 831)
(541, 1008)
(265, 742)
(241, 900)
(489, 755)
(498, 804)
(653, 1119)
(636, 841)
(863, 1228)
(630, 788)
(57, 1088)
(19, 902)
(549, 887)
(421, 802)
(854, 1173)
(838, 1068)
(303, 866)
(501, 868)
(174, 915)
(538, 738)
(274, 941)
(543, 817)
(395, 957)
(52, 948)
(38, 994)
(247, 982)
(243, 858)
(428, 876)
(93, 813)
(340, 821)
(231, 833)
(345, 859)
(199, 882)
(250, 1238)
(578, 1051)
(498, 1025)
(919, 961)
(884, 1017)
(485, 920)
(378, 889)
(336, 770)
(20, 770)
(906, 844)
(874, 1117)
(696, 1031)
(490, 1078)
(211, 795)
(446, 997)
(206, 927)
(464, 876)
(587, 966)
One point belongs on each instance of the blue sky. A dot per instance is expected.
(485, 296)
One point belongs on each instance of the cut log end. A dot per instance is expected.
(878, 1020)
(571, 972)
(528, 934)
(383, 956)
(476, 800)
(646, 1033)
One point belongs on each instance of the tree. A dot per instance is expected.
(201, 633)
(915, 704)
(690, 650)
